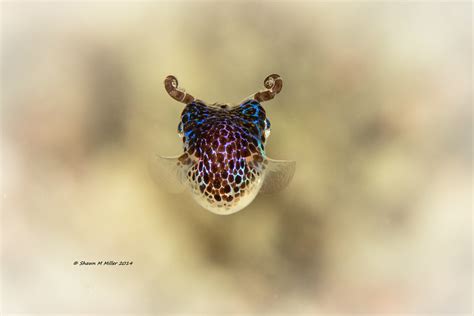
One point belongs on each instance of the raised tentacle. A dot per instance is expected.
(171, 86)
(273, 85)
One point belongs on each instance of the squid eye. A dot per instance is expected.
(180, 129)
(267, 128)
(267, 124)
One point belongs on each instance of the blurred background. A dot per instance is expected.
(376, 110)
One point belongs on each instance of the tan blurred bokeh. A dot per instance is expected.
(376, 109)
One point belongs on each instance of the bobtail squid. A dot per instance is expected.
(224, 163)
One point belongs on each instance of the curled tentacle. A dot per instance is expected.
(273, 85)
(171, 86)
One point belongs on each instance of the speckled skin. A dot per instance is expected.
(224, 152)
(224, 162)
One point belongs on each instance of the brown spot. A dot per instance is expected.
(226, 189)
(183, 158)
(220, 157)
(217, 197)
(252, 148)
